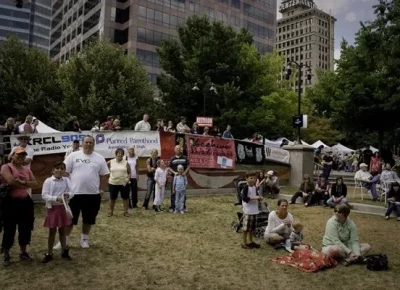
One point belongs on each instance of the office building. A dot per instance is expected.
(305, 34)
(31, 23)
(140, 25)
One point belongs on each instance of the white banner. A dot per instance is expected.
(106, 142)
(277, 154)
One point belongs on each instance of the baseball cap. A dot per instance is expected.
(363, 165)
(270, 172)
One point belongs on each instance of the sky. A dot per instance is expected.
(348, 13)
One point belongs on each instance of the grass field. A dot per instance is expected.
(197, 250)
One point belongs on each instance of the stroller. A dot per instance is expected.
(262, 217)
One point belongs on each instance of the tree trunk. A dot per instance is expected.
(381, 135)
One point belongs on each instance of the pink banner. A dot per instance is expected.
(210, 152)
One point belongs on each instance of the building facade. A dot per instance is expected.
(305, 35)
(140, 25)
(31, 23)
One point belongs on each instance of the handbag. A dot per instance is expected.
(377, 262)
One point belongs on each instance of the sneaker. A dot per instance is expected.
(65, 255)
(255, 245)
(175, 211)
(84, 243)
(6, 259)
(156, 209)
(24, 256)
(386, 217)
(57, 246)
(47, 258)
(182, 212)
(398, 219)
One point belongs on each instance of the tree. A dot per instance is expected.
(363, 95)
(210, 54)
(27, 82)
(102, 80)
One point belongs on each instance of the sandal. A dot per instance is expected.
(110, 214)
(126, 214)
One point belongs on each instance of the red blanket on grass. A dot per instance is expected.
(307, 260)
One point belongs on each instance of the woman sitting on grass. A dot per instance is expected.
(321, 192)
(279, 226)
(393, 201)
(340, 241)
(338, 193)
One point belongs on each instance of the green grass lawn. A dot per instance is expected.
(197, 250)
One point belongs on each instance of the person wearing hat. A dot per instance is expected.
(73, 148)
(18, 210)
(271, 184)
(23, 143)
(368, 181)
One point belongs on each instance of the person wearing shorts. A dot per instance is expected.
(250, 200)
(88, 172)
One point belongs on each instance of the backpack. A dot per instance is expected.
(377, 262)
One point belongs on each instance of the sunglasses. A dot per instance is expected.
(336, 211)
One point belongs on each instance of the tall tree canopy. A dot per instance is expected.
(102, 80)
(363, 94)
(27, 82)
(248, 88)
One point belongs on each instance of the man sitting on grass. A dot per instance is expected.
(250, 200)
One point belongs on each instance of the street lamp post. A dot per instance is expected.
(211, 89)
(287, 76)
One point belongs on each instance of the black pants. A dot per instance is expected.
(300, 194)
(317, 197)
(134, 193)
(18, 213)
(151, 186)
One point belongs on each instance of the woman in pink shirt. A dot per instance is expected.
(18, 208)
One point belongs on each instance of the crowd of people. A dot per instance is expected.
(340, 241)
(113, 123)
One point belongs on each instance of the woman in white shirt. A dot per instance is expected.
(134, 176)
(120, 172)
(279, 226)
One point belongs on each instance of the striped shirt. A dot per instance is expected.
(180, 182)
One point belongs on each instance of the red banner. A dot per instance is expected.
(167, 145)
(210, 152)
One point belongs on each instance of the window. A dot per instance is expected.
(148, 58)
(121, 36)
(91, 22)
(160, 18)
(152, 37)
(194, 7)
(235, 4)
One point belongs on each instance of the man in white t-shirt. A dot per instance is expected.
(143, 125)
(89, 173)
(23, 142)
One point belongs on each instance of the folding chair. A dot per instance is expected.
(358, 185)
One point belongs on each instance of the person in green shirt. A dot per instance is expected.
(341, 238)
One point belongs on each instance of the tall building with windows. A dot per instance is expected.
(31, 23)
(305, 34)
(140, 25)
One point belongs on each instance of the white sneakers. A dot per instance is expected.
(84, 243)
(57, 246)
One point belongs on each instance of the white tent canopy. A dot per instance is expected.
(41, 128)
(319, 143)
(341, 148)
(373, 149)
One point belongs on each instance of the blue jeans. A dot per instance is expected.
(372, 185)
(332, 204)
(150, 191)
(180, 197)
(326, 171)
(392, 206)
(173, 200)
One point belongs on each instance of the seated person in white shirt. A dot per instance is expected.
(388, 174)
(368, 181)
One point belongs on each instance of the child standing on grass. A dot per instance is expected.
(250, 200)
(179, 189)
(54, 189)
(160, 177)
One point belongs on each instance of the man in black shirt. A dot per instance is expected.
(327, 162)
(177, 159)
